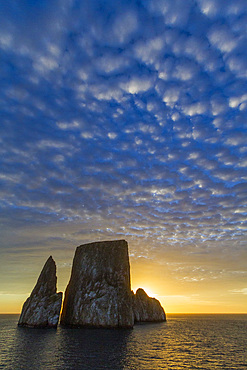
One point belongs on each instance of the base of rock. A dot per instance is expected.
(41, 313)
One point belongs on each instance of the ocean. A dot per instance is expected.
(183, 342)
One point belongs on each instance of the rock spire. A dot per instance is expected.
(42, 308)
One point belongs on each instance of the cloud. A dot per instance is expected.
(124, 26)
(149, 50)
(237, 65)
(222, 38)
(221, 8)
(136, 85)
(124, 118)
(170, 10)
(239, 291)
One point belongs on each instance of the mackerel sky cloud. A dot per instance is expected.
(124, 119)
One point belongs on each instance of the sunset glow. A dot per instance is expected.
(126, 120)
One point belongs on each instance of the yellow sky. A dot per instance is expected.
(181, 288)
(185, 294)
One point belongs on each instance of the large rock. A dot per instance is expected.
(99, 293)
(43, 307)
(147, 309)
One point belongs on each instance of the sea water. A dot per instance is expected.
(183, 342)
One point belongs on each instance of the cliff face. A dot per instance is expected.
(147, 309)
(98, 293)
(42, 308)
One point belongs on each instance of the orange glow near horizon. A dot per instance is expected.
(12, 304)
(176, 294)
(171, 304)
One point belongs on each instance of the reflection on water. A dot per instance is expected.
(183, 342)
(92, 348)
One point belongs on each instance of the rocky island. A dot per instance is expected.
(98, 294)
(42, 308)
(147, 309)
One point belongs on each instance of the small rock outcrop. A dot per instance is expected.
(147, 309)
(43, 307)
(98, 293)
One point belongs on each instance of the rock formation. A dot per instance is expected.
(42, 308)
(146, 308)
(98, 293)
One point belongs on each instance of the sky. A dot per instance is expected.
(126, 120)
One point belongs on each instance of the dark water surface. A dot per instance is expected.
(183, 342)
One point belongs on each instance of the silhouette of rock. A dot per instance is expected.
(146, 308)
(98, 293)
(42, 308)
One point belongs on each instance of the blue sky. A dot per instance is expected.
(124, 119)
